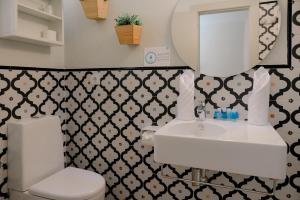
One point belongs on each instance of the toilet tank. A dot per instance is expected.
(35, 151)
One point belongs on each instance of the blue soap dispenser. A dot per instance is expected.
(218, 114)
(229, 111)
(224, 114)
(234, 115)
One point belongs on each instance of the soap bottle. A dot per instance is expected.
(234, 115)
(218, 114)
(224, 115)
(229, 112)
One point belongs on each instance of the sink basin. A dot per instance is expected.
(234, 147)
(197, 130)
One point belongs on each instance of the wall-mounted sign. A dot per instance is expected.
(157, 56)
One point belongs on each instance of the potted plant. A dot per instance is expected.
(95, 9)
(129, 29)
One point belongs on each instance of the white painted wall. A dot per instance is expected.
(95, 44)
(89, 43)
(13, 53)
(92, 43)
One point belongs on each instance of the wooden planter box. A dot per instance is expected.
(95, 9)
(129, 34)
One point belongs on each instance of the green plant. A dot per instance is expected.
(128, 20)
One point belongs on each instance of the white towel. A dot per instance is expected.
(185, 101)
(258, 104)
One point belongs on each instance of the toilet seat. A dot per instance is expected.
(70, 184)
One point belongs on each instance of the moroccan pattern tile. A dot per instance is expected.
(104, 130)
(102, 118)
(23, 94)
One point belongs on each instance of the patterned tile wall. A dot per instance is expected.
(27, 93)
(102, 123)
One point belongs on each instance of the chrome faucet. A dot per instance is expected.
(201, 111)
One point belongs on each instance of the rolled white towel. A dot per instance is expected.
(258, 104)
(185, 101)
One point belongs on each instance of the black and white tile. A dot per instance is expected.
(27, 93)
(108, 139)
(102, 124)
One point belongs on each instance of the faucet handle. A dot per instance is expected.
(201, 106)
(201, 111)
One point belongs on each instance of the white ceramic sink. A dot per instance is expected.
(197, 130)
(235, 147)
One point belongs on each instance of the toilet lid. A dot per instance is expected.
(70, 184)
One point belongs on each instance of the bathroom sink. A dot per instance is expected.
(197, 130)
(235, 147)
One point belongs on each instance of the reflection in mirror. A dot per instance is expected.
(269, 26)
(224, 29)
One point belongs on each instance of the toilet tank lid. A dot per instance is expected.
(26, 121)
(70, 184)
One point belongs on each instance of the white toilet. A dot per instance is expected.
(36, 165)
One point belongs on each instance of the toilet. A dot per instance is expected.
(36, 164)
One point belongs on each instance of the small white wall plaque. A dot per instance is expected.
(157, 56)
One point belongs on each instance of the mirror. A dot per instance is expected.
(225, 37)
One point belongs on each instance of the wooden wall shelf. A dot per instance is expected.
(129, 34)
(95, 9)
